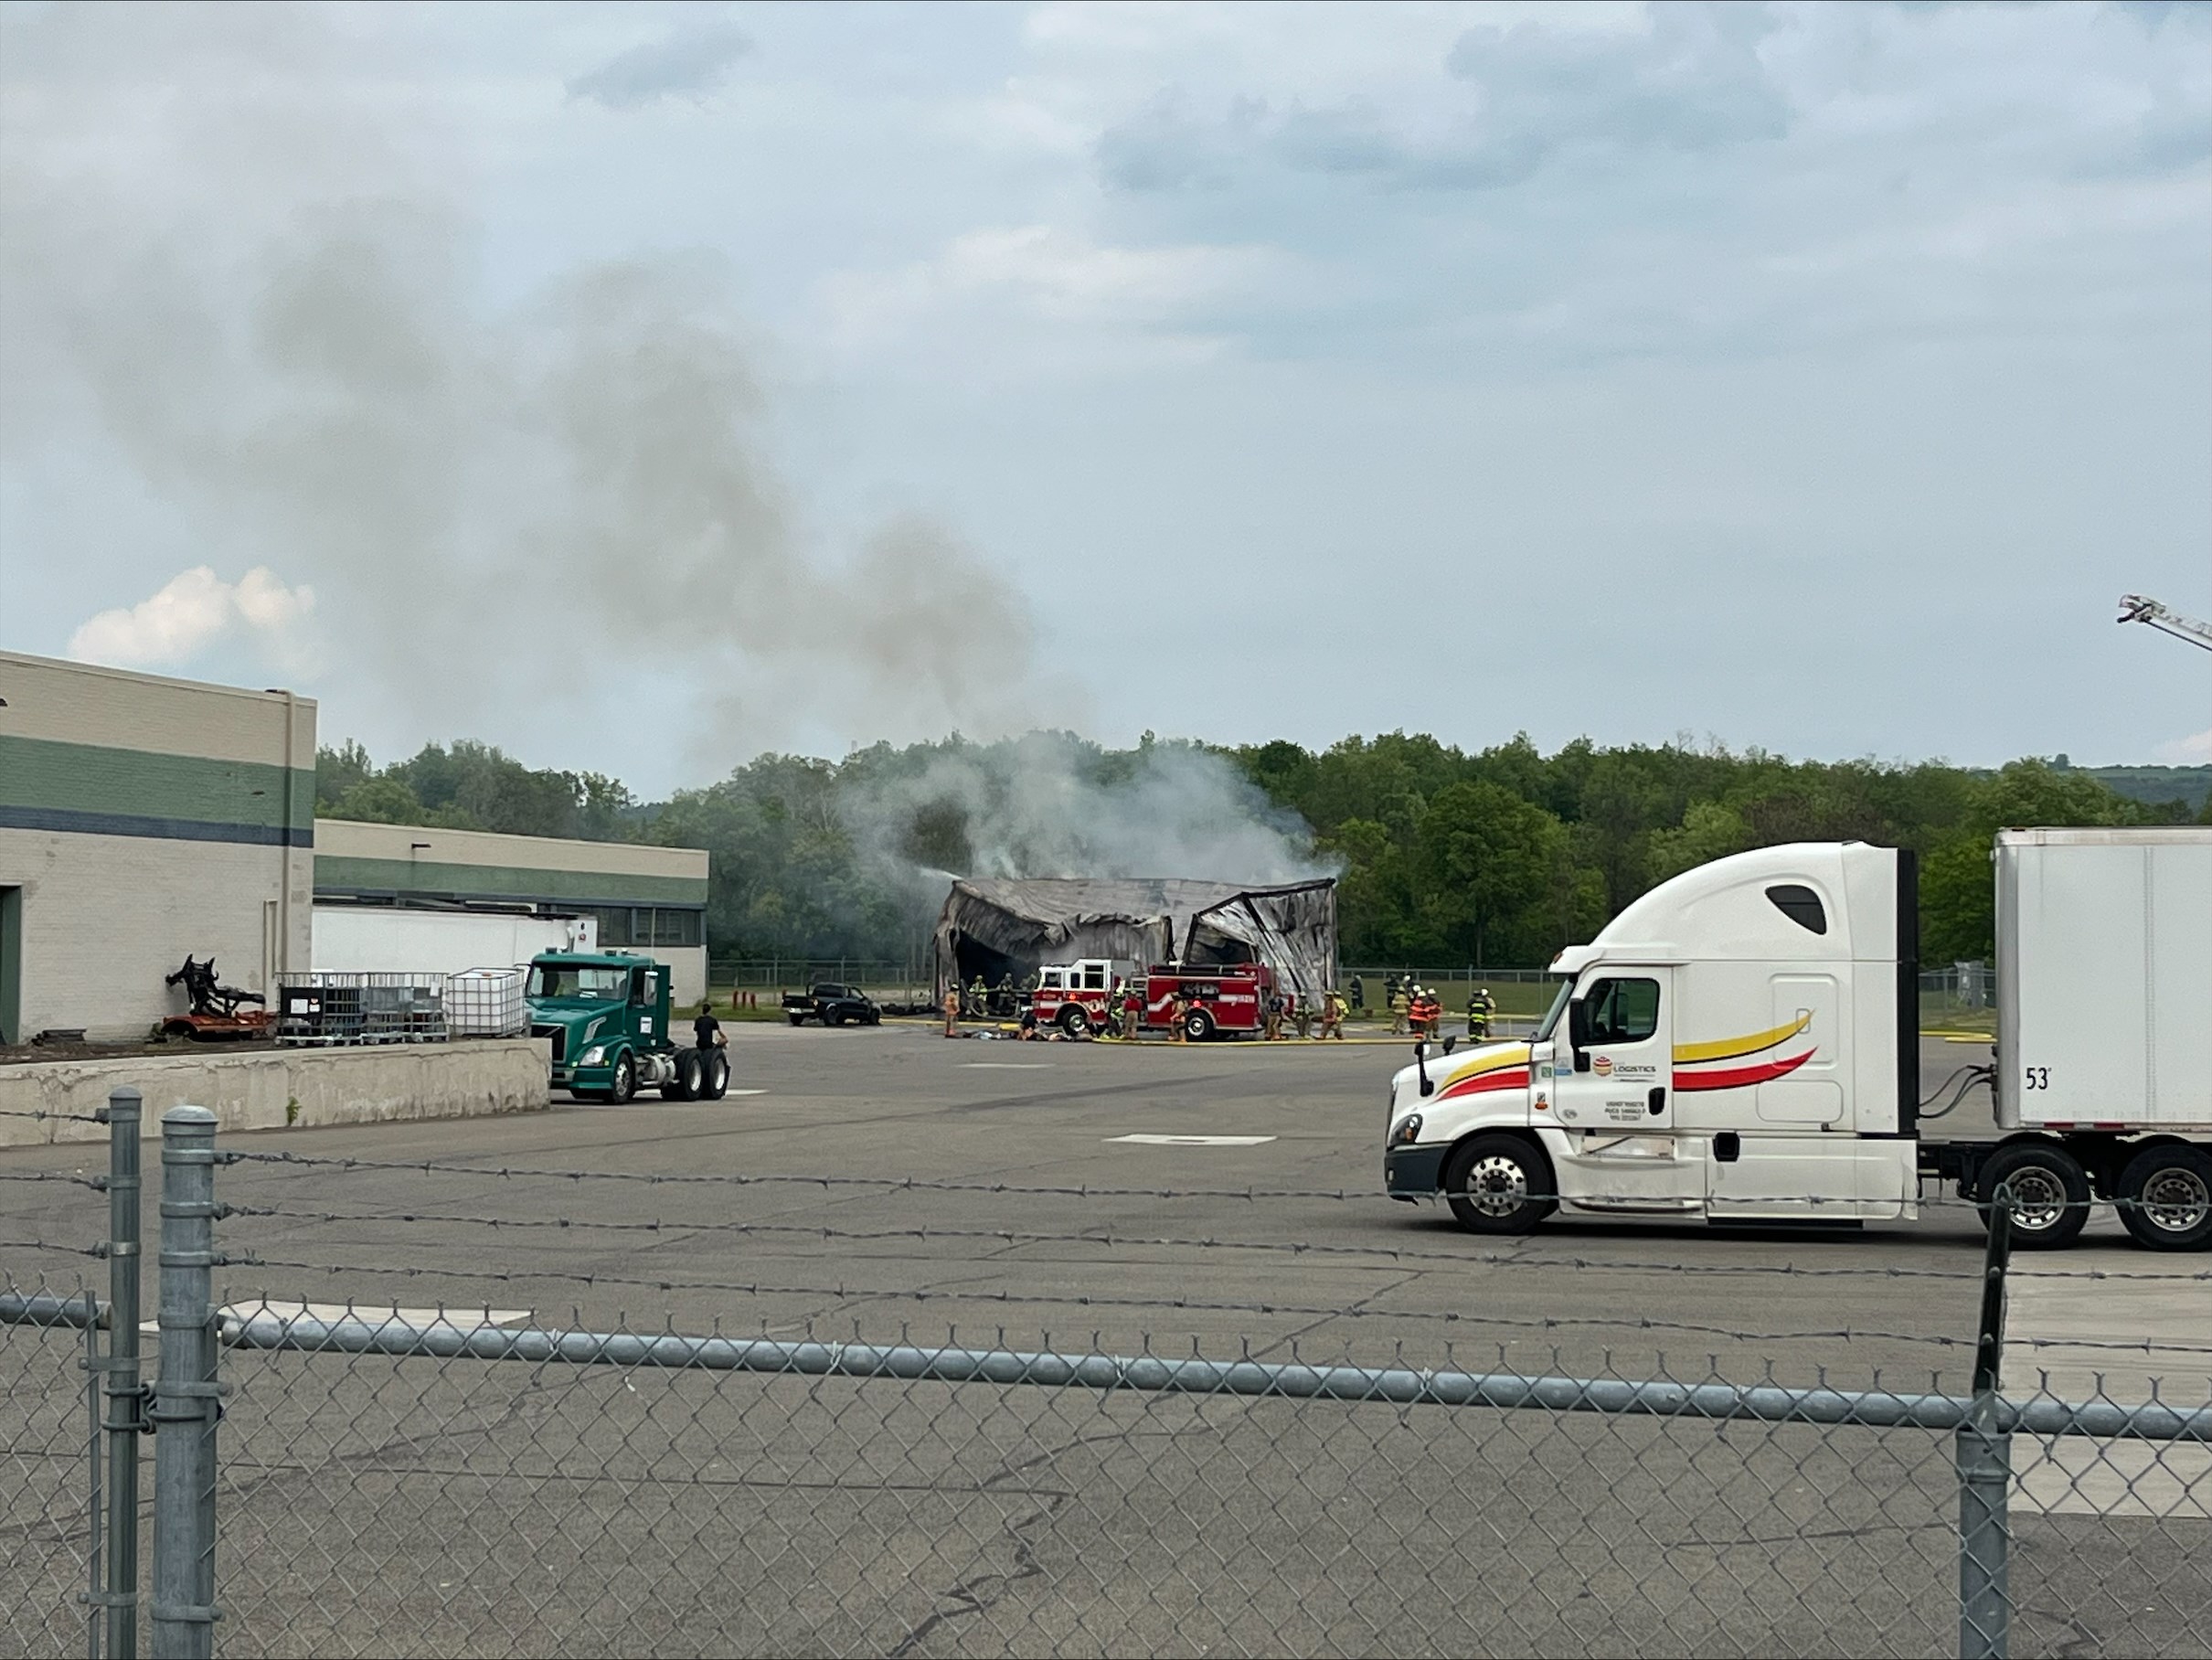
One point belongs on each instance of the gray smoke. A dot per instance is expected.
(242, 275)
(1050, 803)
(290, 348)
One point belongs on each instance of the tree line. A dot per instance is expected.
(1498, 856)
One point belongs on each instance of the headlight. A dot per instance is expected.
(1405, 1130)
(594, 1056)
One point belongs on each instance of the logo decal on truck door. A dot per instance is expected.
(1711, 1077)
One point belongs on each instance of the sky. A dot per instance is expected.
(641, 387)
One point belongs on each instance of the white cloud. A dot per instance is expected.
(2192, 751)
(1047, 275)
(195, 609)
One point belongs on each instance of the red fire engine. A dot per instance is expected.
(1228, 997)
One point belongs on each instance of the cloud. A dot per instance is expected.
(192, 611)
(1047, 275)
(2192, 751)
(1528, 93)
(688, 63)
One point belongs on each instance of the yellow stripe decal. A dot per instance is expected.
(1516, 1056)
(1728, 1048)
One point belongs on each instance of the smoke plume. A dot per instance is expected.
(282, 338)
(245, 288)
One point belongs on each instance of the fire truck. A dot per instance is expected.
(1229, 998)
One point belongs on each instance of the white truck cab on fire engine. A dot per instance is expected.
(1743, 1042)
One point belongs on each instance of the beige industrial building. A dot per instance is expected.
(651, 900)
(142, 820)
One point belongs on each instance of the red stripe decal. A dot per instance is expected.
(1736, 1077)
(1515, 1077)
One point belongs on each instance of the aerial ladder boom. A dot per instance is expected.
(2135, 607)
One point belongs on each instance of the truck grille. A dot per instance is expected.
(559, 1035)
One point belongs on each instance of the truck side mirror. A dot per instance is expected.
(1578, 1033)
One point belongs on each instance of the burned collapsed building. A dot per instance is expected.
(994, 927)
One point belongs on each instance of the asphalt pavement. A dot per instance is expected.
(883, 1185)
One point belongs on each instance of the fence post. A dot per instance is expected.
(1984, 1464)
(126, 1401)
(185, 1407)
(95, 1374)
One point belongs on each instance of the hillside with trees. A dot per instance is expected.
(1499, 855)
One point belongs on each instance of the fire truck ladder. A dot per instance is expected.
(2135, 607)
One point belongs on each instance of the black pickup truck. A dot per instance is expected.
(832, 1005)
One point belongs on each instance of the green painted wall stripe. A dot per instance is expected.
(334, 874)
(44, 775)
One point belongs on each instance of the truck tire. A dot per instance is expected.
(684, 1082)
(1074, 1021)
(798, 1019)
(1499, 1183)
(714, 1075)
(624, 1086)
(2166, 1196)
(834, 1017)
(2050, 1194)
(1198, 1025)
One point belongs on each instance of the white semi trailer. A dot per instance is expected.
(1742, 1043)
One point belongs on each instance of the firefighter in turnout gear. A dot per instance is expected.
(1401, 1007)
(979, 998)
(1481, 1007)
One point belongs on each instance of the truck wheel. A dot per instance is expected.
(625, 1081)
(714, 1076)
(798, 1019)
(1074, 1022)
(2050, 1195)
(833, 1018)
(2166, 1196)
(1499, 1183)
(1198, 1025)
(684, 1082)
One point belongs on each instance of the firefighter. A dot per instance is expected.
(1359, 993)
(1006, 993)
(1274, 1016)
(1132, 1009)
(1401, 1005)
(1301, 1014)
(979, 998)
(1332, 1009)
(953, 1009)
(1174, 1016)
(1481, 1005)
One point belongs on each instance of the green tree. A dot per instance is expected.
(1486, 857)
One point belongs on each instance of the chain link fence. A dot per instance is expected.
(387, 1482)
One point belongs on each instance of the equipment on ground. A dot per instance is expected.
(605, 1015)
(1742, 1043)
(831, 1005)
(2136, 608)
(212, 1009)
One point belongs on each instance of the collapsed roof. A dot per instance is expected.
(1292, 927)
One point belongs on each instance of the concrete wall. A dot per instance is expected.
(142, 819)
(256, 1089)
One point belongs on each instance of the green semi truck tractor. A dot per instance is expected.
(605, 1015)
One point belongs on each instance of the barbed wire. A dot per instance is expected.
(41, 1113)
(844, 1293)
(99, 1184)
(749, 1180)
(67, 1251)
(1017, 1236)
(896, 1184)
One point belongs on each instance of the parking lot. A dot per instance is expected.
(885, 1185)
(1050, 1192)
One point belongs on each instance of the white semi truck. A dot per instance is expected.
(1743, 1042)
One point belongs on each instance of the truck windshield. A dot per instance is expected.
(579, 981)
(1559, 1007)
